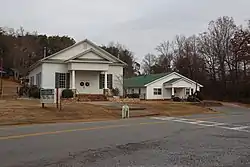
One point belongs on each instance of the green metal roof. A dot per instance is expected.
(172, 80)
(141, 81)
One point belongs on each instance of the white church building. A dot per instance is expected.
(83, 67)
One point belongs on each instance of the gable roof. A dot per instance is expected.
(90, 43)
(141, 81)
(46, 59)
(144, 81)
(176, 73)
(172, 80)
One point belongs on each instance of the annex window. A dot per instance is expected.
(133, 91)
(157, 91)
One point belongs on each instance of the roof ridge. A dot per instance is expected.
(142, 80)
(149, 75)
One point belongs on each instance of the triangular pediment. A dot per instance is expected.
(90, 55)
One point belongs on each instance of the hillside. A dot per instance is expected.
(10, 88)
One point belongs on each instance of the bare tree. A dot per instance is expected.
(220, 32)
(165, 59)
(148, 62)
(240, 45)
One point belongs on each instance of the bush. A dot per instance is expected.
(23, 91)
(67, 93)
(177, 99)
(115, 91)
(34, 92)
(199, 96)
(134, 95)
(192, 98)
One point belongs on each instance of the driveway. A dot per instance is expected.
(200, 140)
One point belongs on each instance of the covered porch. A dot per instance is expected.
(181, 92)
(90, 77)
(90, 82)
(178, 87)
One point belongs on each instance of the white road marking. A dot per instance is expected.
(163, 118)
(205, 123)
(219, 124)
(240, 128)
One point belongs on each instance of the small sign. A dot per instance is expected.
(47, 95)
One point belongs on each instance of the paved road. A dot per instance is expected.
(200, 140)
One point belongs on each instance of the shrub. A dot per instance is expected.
(134, 95)
(67, 93)
(193, 98)
(34, 92)
(115, 91)
(177, 99)
(199, 96)
(23, 91)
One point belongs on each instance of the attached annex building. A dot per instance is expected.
(83, 67)
(161, 86)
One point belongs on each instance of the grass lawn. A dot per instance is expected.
(30, 111)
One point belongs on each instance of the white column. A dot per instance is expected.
(190, 93)
(172, 91)
(105, 80)
(73, 77)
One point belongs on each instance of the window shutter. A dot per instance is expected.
(110, 81)
(56, 80)
(67, 80)
(101, 81)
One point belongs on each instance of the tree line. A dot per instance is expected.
(20, 49)
(218, 58)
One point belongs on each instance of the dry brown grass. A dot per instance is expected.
(30, 111)
(169, 108)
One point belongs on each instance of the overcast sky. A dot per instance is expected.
(138, 24)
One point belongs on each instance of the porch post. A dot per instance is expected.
(73, 77)
(105, 80)
(172, 91)
(190, 93)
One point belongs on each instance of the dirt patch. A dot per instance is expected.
(209, 104)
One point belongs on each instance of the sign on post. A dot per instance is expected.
(47, 96)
